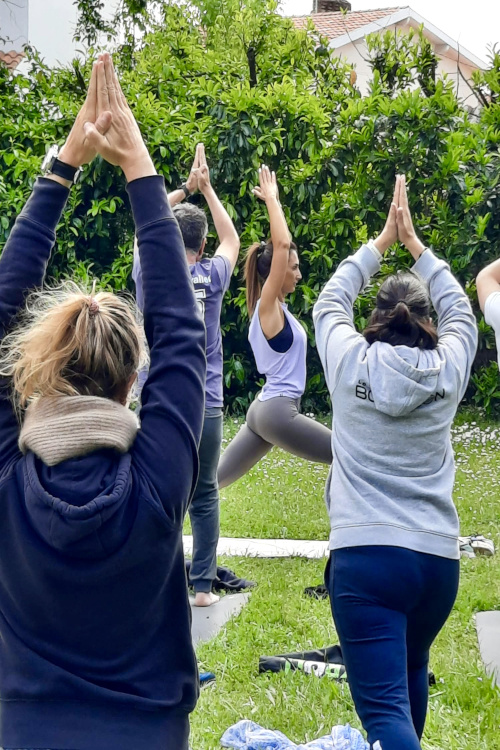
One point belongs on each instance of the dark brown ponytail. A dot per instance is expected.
(401, 316)
(257, 268)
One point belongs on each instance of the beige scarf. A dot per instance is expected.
(56, 428)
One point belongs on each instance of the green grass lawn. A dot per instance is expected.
(283, 498)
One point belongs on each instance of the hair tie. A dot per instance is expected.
(403, 301)
(261, 249)
(93, 303)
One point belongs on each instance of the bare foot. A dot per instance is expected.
(205, 599)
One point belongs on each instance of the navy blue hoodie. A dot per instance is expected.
(95, 644)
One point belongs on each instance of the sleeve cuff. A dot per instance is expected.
(149, 200)
(46, 203)
(373, 247)
(492, 310)
(428, 265)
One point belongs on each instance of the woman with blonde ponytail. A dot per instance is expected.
(95, 644)
(279, 344)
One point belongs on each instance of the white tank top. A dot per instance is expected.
(285, 372)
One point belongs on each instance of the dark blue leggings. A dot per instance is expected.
(389, 604)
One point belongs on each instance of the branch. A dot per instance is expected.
(477, 92)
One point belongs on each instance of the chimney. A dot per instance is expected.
(331, 6)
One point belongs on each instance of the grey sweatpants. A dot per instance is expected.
(276, 421)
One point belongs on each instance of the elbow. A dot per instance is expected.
(485, 284)
(482, 276)
(317, 312)
(282, 246)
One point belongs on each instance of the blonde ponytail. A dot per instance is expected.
(71, 343)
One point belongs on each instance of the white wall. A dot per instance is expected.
(48, 25)
(13, 25)
(356, 54)
(51, 28)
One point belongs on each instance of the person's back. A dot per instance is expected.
(393, 571)
(88, 555)
(95, 644)
(393, 408)
(211, 277)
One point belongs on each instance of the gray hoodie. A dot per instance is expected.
(393, 470)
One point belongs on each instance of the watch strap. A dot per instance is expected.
(66, 171)
(185, 190)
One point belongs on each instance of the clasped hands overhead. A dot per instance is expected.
(399, 224)
(105, 125)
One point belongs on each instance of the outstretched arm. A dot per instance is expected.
(488, 282)
(229, 242)
(22, 268)
(333, 312)
(26, 253)
(178, 195)
(457, 329)
(166, 447)
(270, 312)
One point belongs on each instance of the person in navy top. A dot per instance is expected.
(211, 278)
(95, 643)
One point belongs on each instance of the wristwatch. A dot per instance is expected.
(52, 165)
(185, 189)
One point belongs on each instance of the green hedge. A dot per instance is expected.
(336, 155)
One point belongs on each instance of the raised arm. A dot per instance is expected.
(488, 292)
(457, 329)
(270, 312)
(333, 312)
(166, 447)
(174, 197)
(229, 242)
(488, 282)
(189, 187)
(26, 253)
(22, 268)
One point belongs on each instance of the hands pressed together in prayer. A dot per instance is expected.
(105, 125)
(399, 224)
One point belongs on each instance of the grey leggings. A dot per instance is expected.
(276, 421)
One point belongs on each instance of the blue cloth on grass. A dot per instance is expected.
(247, 735)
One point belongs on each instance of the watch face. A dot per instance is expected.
(49, 157)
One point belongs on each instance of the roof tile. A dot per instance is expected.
(335, 24)
(11, 59)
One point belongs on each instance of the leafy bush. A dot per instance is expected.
(255, 89)
(487, 389)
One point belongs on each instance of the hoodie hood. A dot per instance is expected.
(402, 378)
(81, 507)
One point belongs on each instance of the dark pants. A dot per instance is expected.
(389, 604)
(204, 508)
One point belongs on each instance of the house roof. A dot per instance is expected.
(336, 24)
(345, 28)
(11, 59)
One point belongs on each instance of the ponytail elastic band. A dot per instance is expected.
(93, 303)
